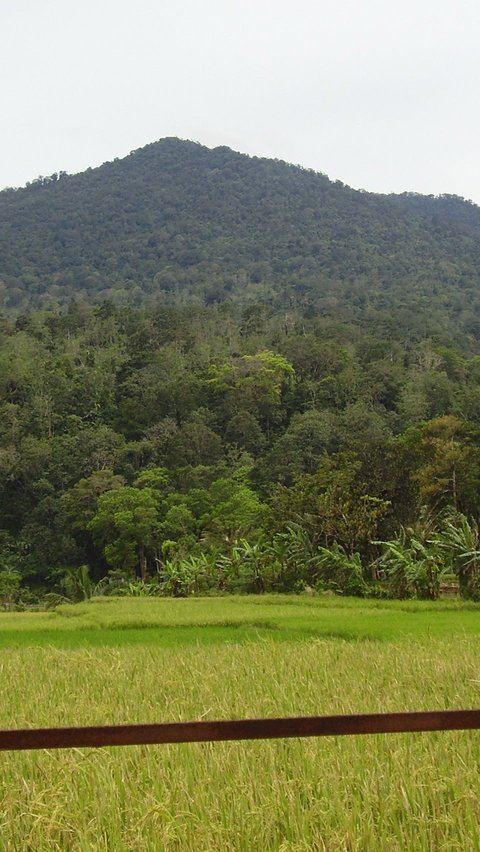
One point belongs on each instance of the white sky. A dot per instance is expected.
(382, 95)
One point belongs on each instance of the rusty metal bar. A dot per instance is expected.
(239, 729)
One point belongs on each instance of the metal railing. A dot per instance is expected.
(239, 729)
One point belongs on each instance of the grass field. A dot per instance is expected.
(171, 622)
(149, 660)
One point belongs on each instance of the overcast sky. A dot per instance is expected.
(382, 95)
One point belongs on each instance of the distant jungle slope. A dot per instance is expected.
(177, 222)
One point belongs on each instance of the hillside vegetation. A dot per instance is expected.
(276, 386)
(175, 222)
(196, 451)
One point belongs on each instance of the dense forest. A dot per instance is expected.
(224, 373)
(185, 449)
(177, 223)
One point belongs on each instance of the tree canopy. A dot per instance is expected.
(176, 223)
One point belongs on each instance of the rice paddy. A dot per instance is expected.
(235, 658)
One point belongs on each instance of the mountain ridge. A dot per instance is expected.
(175, 221)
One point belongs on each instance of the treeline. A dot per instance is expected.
(191, 449)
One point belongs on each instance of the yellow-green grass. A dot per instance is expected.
(220, 658)
(172, 622)
(386, 792)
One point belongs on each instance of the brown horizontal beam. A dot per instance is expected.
(240, 729)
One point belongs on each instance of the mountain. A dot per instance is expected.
(177, 222)
(249, 356)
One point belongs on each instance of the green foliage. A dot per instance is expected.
(181, 577)
(289, 561)
(341, 572)
(331, 504)
(247, 568)
(294, 558)
(177, 222)
(451, 463)
(190, 435)
(76, 583)
(459, 540)
(420, 557)
(414, 568)
(236, 511)
(9, 588)
(126, 523)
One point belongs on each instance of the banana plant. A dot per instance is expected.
(413, 568)
(341, 571)
(459, 538)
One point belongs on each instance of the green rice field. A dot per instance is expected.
(114, 661)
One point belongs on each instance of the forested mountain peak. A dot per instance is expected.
(176, 222)
(255, 376)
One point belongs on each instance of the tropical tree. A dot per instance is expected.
(449, 469)
(236, 510)
(127, 525)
